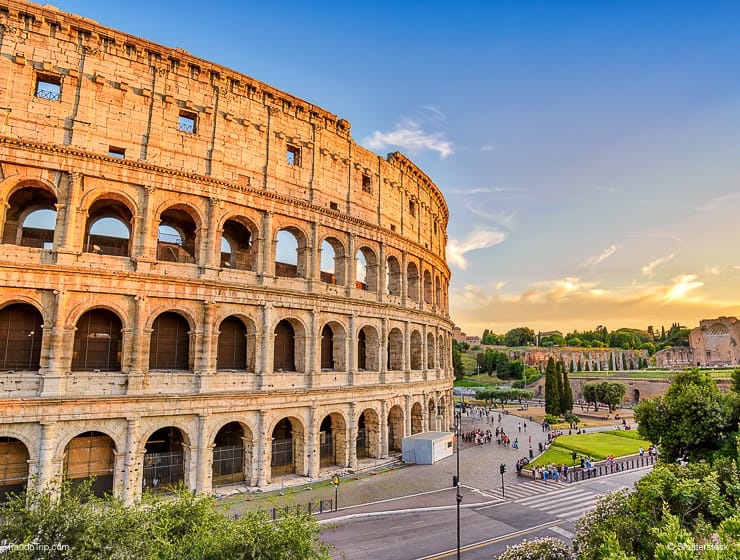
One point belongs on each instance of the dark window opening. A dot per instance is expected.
(20, 337)
(170, 343)
(412, 208)
(97, 344)
(334, 206)
(293, 156)
(48, 87)
(366, 184)
(116, 152)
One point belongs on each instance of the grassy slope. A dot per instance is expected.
(598, 446)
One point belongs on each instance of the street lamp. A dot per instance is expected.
(456, 479)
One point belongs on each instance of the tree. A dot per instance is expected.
(552, 390)
(521, 336)
(457, 365)
(692, 418)
(736, 380)
(610, 393)
(566, 392)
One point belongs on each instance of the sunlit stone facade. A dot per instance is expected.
(202, 278)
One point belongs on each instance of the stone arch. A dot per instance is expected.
(395, 425)
(368, 434)
(395, 350)
(287, 264)
(430, 351)
(332, 346)
(98, 341)
(366, 269)
(26, 198)
(289, 346)
(393, 276)
(635, 396)
(232, 453)
(368, 349)
(166, 457)
(416, 350)
(107, 213)
(14, 460)
(169, 347)
(91, 456)
(21, 334)
(287, 455)
(412, 281)
(239, 246)
(332, 259)
(178, 234)
(333, 441)
(233, 352)
(417, 418)
(428, 287)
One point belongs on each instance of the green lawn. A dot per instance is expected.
(646, 374)
(598, 446)
(478, 381)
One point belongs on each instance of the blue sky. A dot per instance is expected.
(589, 151)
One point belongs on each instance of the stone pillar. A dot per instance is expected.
(404, 279)
(138, 348)
(312, 453)
(406, 365)
(52, 374)
(313, 349)
(424, 351)
(425, 412)
(207, 365)
(204, 459)
(382, 274)
(407, 415)
(3, 214)
(383, 430)
(383, 349)
(352, 441)
(264, 451)
(266, 355)
(313, 258)
(145, 240)
(132, 459)
(266, 270)
(67, 217)
(351, 264)
(211, 244)
(47, 473)
(351, 349)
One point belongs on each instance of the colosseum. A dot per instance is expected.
(204, 279)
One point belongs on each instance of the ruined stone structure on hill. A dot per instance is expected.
(580, 359)
(202, 278)
(713, 343)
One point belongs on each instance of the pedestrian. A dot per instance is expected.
(519, 426)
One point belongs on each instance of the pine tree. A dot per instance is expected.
(579, 366)
(587, 368)
(611, 362)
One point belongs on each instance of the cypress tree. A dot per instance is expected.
(566, 393)
(552, 393)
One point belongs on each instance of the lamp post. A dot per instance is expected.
(456, 479)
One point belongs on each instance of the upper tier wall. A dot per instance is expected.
(123, 96)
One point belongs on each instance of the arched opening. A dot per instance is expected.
(332, 262)
(417, 419)
(164, 459)
(232, 345)
(366, 270)
(13, 467)
(327, 348)
(427, 287)
(395, 350)
(20, 337)
(91, 456)
(368, 432)
(98, 340)
(395, 429)
(635, 396)
(290, 258)
(284, 355)
(368, 349)
(393, 276)
(237, 249)
(287, 448)
(31, 218)
(176, 241)
(412, 281)
(327, 451)
(108, 228)
(430, 351)
(416, 350)
(231, 454)
(170, 343)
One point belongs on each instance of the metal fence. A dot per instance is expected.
(578, 473)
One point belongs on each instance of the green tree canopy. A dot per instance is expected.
(521, 336)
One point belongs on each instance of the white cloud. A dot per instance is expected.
(408, 135)
(712, 270)
(477, 239)
(647, 270)
(487, 148)
(719, 202)
(682, 285)
(600, 258)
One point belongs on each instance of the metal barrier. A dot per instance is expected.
(577, 473)
(319, 506)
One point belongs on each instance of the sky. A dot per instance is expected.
(589, 151)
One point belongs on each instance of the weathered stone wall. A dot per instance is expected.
(115, 141)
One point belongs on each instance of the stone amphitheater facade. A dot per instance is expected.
(202, 278)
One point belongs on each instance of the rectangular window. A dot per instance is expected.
(393, 227)
(334, 206)
(293, 155)
(48, 87)
(412, 208)
(366, 184)
(186, 122)
(116, 152)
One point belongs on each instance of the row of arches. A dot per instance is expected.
(112, 228)
(99, 344)
(169, 453)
